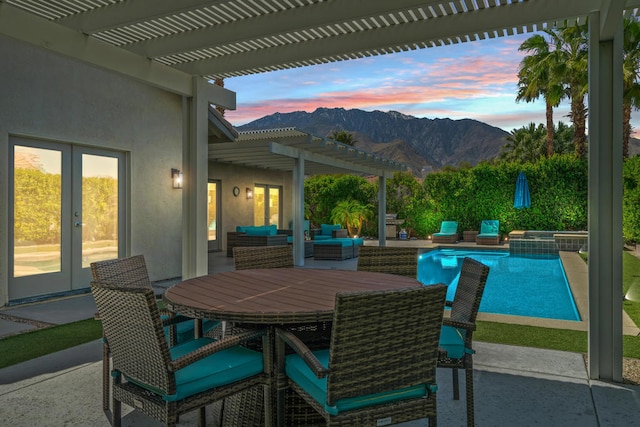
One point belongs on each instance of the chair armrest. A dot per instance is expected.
(214, 347)
(458, 324)
(303, 351)
(339, 233)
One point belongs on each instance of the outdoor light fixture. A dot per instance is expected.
(249, 193)
(176, 178)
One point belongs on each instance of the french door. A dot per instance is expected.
(66, 211)
(267, 205)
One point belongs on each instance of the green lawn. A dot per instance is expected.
(29, 345)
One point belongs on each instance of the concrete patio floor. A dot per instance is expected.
(513, 385)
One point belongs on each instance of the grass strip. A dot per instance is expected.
(547, 338)
(29, 345)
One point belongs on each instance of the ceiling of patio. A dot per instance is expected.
(277, 149)
(226, 38)
(167, 42)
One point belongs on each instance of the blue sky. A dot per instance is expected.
(476, 80)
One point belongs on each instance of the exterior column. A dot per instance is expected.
(382, 210)
(298, 209)
(195, 173)
(605, 196)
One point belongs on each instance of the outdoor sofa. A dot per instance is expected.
(331, 242)
(252, 235)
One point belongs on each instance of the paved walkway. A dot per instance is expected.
(514, 385)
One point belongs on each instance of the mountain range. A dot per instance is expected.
(422, 144)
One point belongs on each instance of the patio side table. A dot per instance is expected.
(470, 236)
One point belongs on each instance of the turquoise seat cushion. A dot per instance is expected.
(321, 237)
(299, 372)
(327, 229)
(261, 230)
(221, 368)
(335, 242)
(489, 227)
(447, 228)
(289, 239)
(357, 241)
(452, 340)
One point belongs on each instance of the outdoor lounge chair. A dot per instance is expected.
(164, 382)
(370, 371)
(448, 233)
(456, 338)
(489, 232)
(389, 259)
(263, 257)
(132, 272)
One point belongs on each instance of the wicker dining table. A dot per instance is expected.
(301, 299)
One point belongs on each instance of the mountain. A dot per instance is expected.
(423, 144)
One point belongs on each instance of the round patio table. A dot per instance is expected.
(273, 297)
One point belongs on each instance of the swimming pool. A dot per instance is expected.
(534, 286)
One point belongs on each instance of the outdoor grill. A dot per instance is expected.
(392, 221)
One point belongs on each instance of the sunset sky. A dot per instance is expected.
(476, 80)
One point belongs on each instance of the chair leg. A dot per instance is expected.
(106, 381)
(469, 387)
(456, 386)
(202, 416)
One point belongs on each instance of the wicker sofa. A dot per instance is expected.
(264, 235)
(331, 242)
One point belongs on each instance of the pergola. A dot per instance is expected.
(180, 45)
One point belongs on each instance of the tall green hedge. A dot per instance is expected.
(558, 188)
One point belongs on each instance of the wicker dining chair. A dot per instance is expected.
(164, 382)
(370, 371)
(246, 257)
(456, 337)
(132, 272)
(389, 259)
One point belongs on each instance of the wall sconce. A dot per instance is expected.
(249, 193)
(176, 178)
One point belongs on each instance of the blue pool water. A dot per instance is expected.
(532, 286)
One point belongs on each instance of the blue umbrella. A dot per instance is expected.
(522, 198)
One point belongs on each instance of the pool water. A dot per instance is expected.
(534, 286)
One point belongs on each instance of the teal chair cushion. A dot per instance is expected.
(489, 227)
(302, 375)
(357, 241)
(321, 237)
(327, 229)
(452, 340)
(261, 230)
(221, 368)
(335, 242)
(447, 228)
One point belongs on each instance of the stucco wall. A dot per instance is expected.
(239, 210)
(48, 96)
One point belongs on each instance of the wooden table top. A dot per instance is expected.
(275, 295)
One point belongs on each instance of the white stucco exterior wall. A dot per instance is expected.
(47, 96)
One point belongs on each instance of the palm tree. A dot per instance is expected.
(571, 70)
(563, 139)
(526, 144)
(343, 136)
(630, 69)
(534, 80)
(351, 214)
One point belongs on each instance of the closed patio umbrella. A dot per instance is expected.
(522, 198)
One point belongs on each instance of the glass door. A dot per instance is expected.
(267, 205)
(67, 213)
(213, 215)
